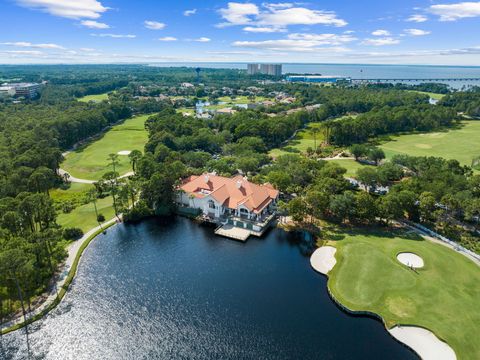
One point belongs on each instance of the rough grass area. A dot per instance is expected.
(351, 165)
(302, 141)
(462, 143)
(305, 139)
(443, 296)
(84, 217)
(90, 162)
(94, 98)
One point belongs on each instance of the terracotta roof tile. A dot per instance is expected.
(231, 192)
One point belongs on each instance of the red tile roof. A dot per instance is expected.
(231, 192)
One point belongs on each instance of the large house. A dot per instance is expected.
(222, 197)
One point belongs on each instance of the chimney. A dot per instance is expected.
(239, 184)
(207, 179)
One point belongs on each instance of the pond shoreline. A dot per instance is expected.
(431, 350)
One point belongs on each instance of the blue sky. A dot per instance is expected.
(114, 31)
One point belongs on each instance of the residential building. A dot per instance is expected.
(265, 69)
(225, 111)
(219, 197)
(27, 90)
(252, 69)
(7, 91)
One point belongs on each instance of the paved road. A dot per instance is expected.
(86, 181)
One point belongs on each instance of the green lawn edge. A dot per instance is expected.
(65, 286)
(353, 309)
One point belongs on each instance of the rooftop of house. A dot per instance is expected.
(231, 192)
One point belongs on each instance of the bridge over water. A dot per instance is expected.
(415, 79)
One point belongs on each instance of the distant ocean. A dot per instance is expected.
(359, 71)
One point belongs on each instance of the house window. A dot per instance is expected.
(211, 204)
(243, 211)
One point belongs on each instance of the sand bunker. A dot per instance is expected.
(323, 259)
(124, 152)
(410, 259)
(423, 342)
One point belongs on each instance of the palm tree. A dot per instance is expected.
(92, 195)
(314, 132)
(134, 156)
(113, 161)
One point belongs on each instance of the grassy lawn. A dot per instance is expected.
(434, 96)
(84, 216)
(462, 144)
(302, 141)
(351, 165)
(443, 296)
(90, 162)
(95, 98)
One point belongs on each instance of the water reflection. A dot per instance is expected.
(175, 291)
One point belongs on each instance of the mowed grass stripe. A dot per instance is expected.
(442, 297)
(462, 144)
(90, 162)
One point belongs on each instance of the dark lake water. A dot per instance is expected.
(174, 290)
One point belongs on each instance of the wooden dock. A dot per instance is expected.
(233, 232)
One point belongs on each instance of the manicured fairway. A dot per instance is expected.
(462, 144)
(302, 141)
(351, 165)
(95, 98)
(91, 161)
(443, 297)
(434, 96)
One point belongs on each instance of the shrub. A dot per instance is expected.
(100, 218)
(141, 211)
(72, 233)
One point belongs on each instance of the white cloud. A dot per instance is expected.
(92, 24)
(416, 32)
(456, 11)
(276, 6)
(381, 41)
(263, 29)
(167, 38)
(323, 39)
(30, 45)
(73, 9)
(276, 16)
(115, 36)
(202, 39)
(417, 18)
(154, 25)
(381, 32)
(190, 12)
(238, 14)
(299, 16)
(24, 52)
(87, 49)
(301, 43)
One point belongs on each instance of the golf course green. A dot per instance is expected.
(350, 165)
(90, 161)
(94, 98)
(443, 296)
(462, 144)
